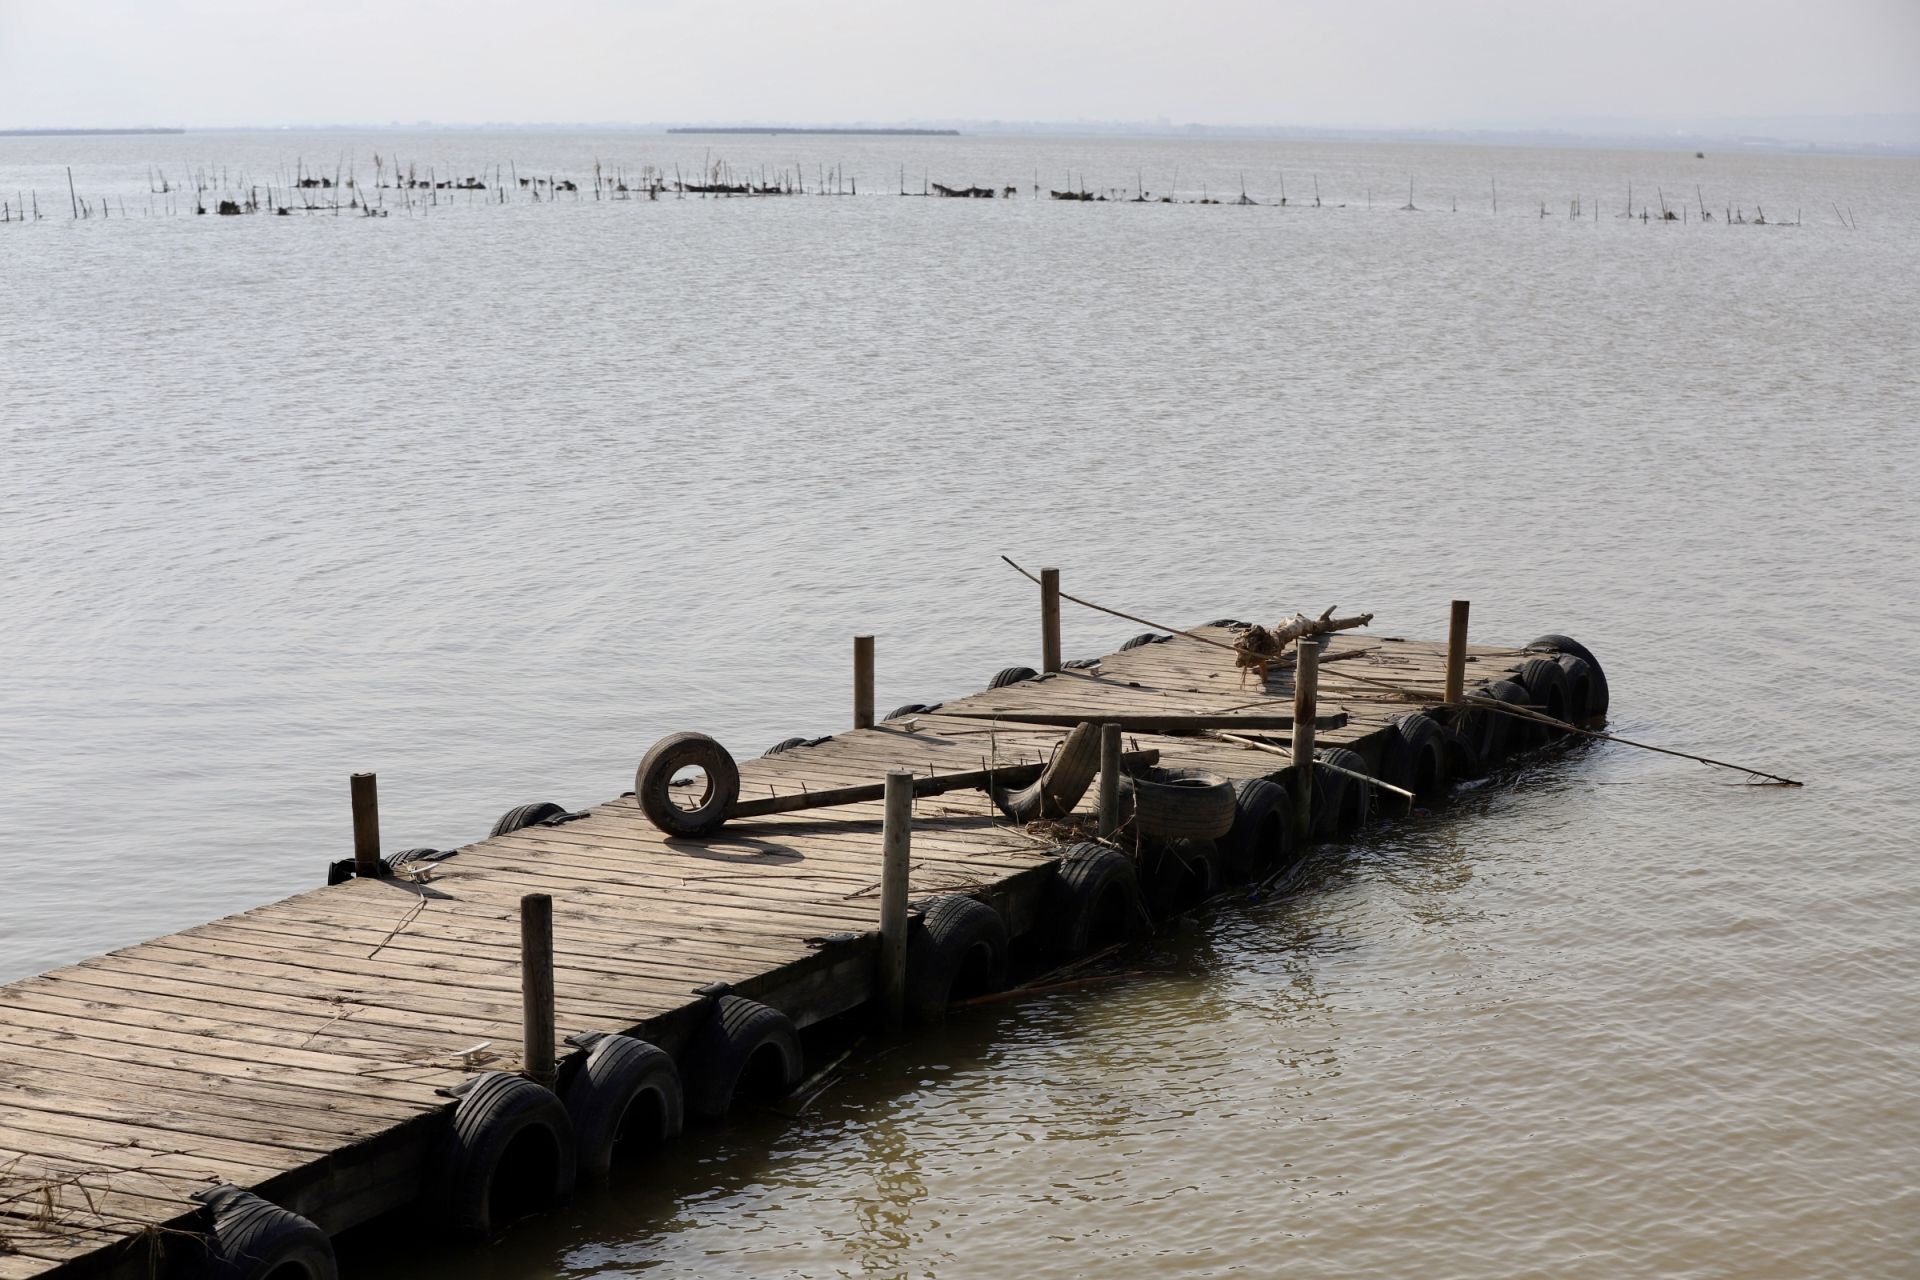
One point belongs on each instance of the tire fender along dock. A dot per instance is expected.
(474, 1030)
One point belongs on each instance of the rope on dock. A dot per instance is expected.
(1476, 701)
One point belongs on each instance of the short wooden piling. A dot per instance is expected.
(1457, 652)
(1109, 779)
(1050, 619)
(1306, 690)
(896, 851)
(536, 989)
(863, 682)
(366, 825)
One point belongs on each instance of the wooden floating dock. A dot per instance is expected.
(297, 1049)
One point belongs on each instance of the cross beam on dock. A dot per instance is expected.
(299, 1049)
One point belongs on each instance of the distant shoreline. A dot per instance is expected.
(873, 133)
(73, 133)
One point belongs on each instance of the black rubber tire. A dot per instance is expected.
(1545, 681)
(665, 758)
(1349, 802)
(785, 744)
(525, 815)
(1145, 637)
(743, 1047)
(1092, 901)
(1580, 689)
(1234, 623)
(1177, 874)
(1080, 664)
(1463, 757)
(508, 1140)
(627, 1091)
(1261, 838)
(1181, 804)
(958, 948)
(1055, 792)
(253, 1239)
(1011, 675)
(1488, 732)
(910, 709)
(1415, 756)
(1600, 697)
(405, 856)
(1519, 733)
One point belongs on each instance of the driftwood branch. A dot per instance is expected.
(1260, 647)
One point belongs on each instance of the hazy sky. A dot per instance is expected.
(1312, 62)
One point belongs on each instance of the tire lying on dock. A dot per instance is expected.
(1598, 696)
(957, 948)
(1260, 841)
(1054, 793)
(1093, 901)
(508, 1152)
(255, 1239)
(744, 1049)
(625, 1096)
(787, 744)
(1011, 675)
(1145, 637)
(1175, 804)
(525, 815)
(674, 755)
(910, 709)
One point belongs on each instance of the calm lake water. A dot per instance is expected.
(487, 498)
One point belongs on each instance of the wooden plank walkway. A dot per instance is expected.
(296, 1049)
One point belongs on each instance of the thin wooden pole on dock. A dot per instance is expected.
(1306, 692)
(1109, 779)
(536, 989)
(1457, 652)
(863, 682)
(366, 825)
(896, 842)
(1050, 619)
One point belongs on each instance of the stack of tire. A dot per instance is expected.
(1562, 681)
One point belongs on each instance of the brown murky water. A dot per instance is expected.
(489, 498)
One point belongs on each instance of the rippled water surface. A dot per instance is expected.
(486, 498)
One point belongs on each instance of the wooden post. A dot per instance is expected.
(1109, 779)
(1457, 653)
(863, 682)
(536, 989)
(1306, 689)
(366, 825)
(1049, 619)
(896, 843)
